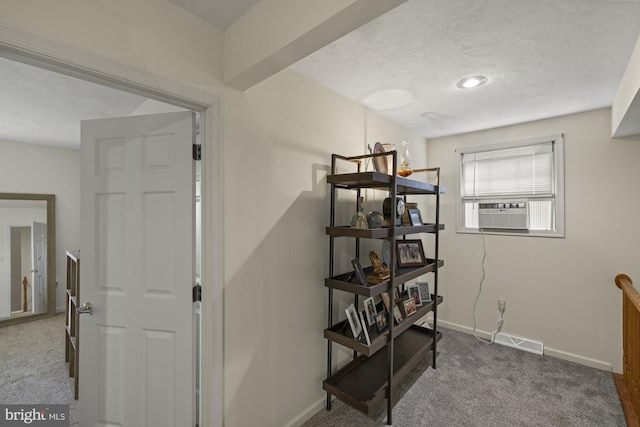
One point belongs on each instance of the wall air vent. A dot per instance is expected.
(503, 215)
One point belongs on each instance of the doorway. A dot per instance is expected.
(211, 278)
(20, 265)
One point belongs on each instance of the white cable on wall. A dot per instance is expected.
(500, 321)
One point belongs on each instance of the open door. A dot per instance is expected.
(39, 258)
(137, 206)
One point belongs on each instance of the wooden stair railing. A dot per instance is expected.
(629, 383)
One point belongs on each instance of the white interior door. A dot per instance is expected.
(39, 259)
(137, 205)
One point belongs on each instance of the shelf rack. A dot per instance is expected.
(371, 376)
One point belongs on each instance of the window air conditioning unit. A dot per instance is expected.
(509, 216)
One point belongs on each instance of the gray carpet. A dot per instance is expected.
(32, 367)
(476, 384)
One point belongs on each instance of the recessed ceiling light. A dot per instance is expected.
(471, 82)
(429, 115)
(387, 99)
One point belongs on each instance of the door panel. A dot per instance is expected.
(39, 249)
(136, 364)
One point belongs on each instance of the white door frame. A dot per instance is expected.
(34, 50)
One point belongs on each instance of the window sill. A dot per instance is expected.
(520, 233)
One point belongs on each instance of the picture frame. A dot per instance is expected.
(386, 300)
(397, 314)
(357, 268)
(396, 311)
(354, 321)
(364, 329)
(425, 294)
(410, 253)
(370, 310)
(414, 217)
(410, 307)
(381, 320)
(414, 292)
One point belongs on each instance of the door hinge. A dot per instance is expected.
(197, 151)
(197, 293)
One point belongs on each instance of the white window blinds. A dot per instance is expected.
(522, 171)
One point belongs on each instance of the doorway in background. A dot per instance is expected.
(198, 312)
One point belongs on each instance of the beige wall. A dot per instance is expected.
(279, 137)
(154, 36)
(30, 168)
(558, 291)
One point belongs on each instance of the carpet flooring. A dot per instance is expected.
(482, 385)
(474, 385)
(32, 367)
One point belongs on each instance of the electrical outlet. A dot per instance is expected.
(502, 305)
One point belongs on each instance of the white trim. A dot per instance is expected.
(307, 413)
(30, 49)
(582, 360)
(213, 269)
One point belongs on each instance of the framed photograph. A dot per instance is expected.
(425, 294)
(381, 320)
(396, 311)
(357, 268)
(386, 301)
(370, 311)
(410, 307)
(354, 321)
(365, 330)
(414, 292)
(397, 314)
(410, 253)
(414, 217)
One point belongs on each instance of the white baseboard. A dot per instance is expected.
(582, 360)
(308, 412)
(60, 309)
(465, 329)
(571, 357)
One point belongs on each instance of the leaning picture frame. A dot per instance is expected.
(364, 329)
(397, 315)
(414, 292)
(425, 294)
(381, 320)
(354, 321)
(410, 253)
(414, 217)
(357, 268)
(370, 310)
(410, 307)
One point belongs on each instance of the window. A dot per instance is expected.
(520, 181)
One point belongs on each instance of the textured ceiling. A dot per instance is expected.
(542, 58)
(42, 107)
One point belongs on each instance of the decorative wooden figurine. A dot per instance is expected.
(381, 271)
